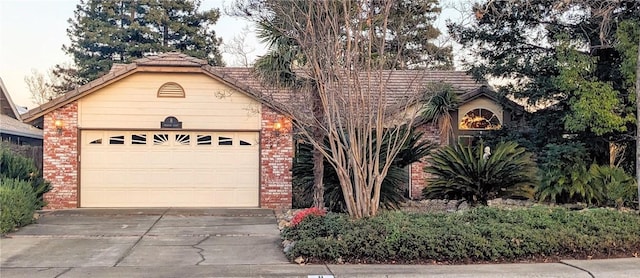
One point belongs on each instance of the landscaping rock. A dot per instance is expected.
(288, 245)
(427, 206)
(284, 217)
(423, 206)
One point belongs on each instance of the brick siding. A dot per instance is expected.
(276, 161)
(418, 176)
(60, 157)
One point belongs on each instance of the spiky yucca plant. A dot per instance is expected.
(461, 173)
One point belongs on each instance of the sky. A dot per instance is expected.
(32, 33)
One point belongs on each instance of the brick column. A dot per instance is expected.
(60, 157)
(276, 160)
(418, 176)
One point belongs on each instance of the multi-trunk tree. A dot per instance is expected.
(403, 40)
(336, 58)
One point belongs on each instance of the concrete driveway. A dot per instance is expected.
(80, 238)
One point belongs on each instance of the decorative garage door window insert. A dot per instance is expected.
(204, 139)
(183, 139)
(225, 141)
(138, 139)
(161, 139)
(116, 140)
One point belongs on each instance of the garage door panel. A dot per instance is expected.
(170, 198)
(178, 169)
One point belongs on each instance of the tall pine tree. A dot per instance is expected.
(104, 32)
(410, 31)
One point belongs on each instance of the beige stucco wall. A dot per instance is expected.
(132, 103)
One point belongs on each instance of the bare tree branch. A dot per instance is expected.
(240, 49)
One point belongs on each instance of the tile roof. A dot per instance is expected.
(170, 59)
(399, 84)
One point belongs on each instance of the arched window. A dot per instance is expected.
(171, 89)
(480, 118)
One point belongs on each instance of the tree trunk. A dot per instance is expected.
(318, 157)
(638, 123)
(318, 175)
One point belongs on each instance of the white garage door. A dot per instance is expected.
(169, 169)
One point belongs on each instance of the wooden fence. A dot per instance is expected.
(32, 152)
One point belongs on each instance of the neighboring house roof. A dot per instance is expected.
(15, 127)
(6, 104)
(10, 120)
(397, 82)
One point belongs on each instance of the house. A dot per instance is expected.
(12, 129)
(170, 130)
(482, 110)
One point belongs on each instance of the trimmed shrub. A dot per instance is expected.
(18, 201)
(480, 234)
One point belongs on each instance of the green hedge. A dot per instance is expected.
(480, 234)
(19, 202)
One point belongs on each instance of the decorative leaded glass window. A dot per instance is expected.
(480, 118)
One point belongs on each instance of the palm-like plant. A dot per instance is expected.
(615, 186)
(461, 173)
(437, 110)
(600, 185)
(277, 68)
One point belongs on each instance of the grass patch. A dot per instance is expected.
(482, 234)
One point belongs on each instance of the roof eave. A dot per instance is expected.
(22, 134)
(78, 93)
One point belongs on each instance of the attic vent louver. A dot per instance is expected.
(171, 89)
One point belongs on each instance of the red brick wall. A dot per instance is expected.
(60, 157)
(276, 160)
(418, 176)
